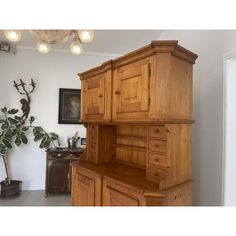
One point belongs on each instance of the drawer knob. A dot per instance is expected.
(157, 131)
(157, 145)
(59, 154)
(117, 92)
(100, 95)
(157, 159)
(157, 175)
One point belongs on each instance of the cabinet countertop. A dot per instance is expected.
(129, 175)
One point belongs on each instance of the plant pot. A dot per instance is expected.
(10, 190)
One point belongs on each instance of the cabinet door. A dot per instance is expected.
(116, 194)
(116, 198)
(131, 89)
(93, 97)
(58, 173)
(83, 190)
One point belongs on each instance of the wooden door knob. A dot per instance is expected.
(117, 92)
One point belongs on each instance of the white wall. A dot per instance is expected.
(230, 135)
(51, 72)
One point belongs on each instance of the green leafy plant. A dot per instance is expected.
(14, 129)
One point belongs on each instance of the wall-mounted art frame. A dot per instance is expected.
(69, 106)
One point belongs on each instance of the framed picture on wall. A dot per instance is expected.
(69, 106)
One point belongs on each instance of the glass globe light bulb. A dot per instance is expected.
(12, 35)
(76, 48)
(86, 36)
(43, 48)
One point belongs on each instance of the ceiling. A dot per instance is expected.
(105, 41)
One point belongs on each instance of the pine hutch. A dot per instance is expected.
(138, 113)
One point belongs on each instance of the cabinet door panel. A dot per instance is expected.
(83, 191)
(94, 95)
(120, 199)
(58, 172)
(132, 89)
(116, 194)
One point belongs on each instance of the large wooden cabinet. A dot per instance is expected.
(138, 113)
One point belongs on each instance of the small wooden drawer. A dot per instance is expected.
(158, 160)
(156, 174)
(157, 132)
(157, 146)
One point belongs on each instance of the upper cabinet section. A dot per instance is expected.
(151, 84)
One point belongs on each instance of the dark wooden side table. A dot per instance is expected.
(58, 169)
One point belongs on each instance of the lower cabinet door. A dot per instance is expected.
(115, 194)
(115, 198)
(58, 173)
(85, 189)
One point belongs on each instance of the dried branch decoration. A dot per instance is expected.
(25, 103)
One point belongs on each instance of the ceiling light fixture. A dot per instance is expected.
(86, 36)
(76, 47)
(47, 38)
(12, 35)
(43, 48)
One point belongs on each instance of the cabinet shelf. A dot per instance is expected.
(131, 137)
(143, 149)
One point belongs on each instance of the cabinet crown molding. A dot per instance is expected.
(96, 70)
(155, 47)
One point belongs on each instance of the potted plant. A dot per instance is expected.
(14, 129)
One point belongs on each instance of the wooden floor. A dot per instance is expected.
(36, 198)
